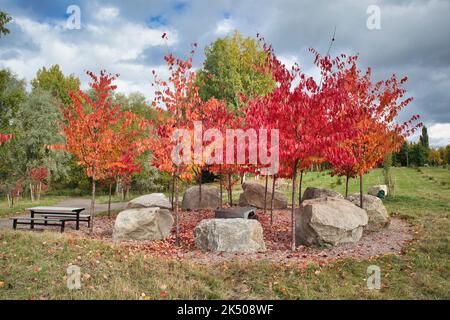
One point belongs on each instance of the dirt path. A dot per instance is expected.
(75, 202)
(86, 203)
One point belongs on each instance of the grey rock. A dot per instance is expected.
(210, 198)
(253, 195)
(143, 224)
(376, 211)
(229, 235)
(150, 200)
(315, 193)
(329, 221)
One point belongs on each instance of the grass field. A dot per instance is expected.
(33, 265)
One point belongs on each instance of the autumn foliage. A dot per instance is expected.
(105, 140)
(342, 118)
(4, 138)
(375, 131)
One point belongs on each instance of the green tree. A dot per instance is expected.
(12, 93)
(135, 102)
(35, 126)
(4, 19)
(402, 156)
(417, 155)
(434, 157)
(232, 66)
(424, 142)
(446, 157)
(54, 81)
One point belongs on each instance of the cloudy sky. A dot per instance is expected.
(125, 37)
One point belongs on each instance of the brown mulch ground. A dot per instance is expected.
(388, 241)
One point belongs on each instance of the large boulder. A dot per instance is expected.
(253, 195)
(143, 224)
(210, 198)
(376, 211)
(229, 235)
(150, 200)
(329, 221)
(375, 190)
(315, 193)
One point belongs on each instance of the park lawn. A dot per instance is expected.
(33, 265)
(19, 208)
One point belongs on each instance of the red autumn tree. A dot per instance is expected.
(218, 118)
(93, 128)
(38, 176)
(376, 132)
(214, 115)
(131, 142)
(176, 101)
(311, 117)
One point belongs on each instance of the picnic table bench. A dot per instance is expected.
(52, 216)
(47, 221)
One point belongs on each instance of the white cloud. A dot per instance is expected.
(223, 27)
(97, 46)
(107, 13)
(439, 134)
(288, 60)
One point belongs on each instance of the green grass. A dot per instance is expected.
(19, 208)
(33, 265)
(105, 198)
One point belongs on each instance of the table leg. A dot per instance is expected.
(32, 221)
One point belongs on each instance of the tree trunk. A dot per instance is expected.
(9, 200)
(173, 191)
(272, 200)
(31, 192)
(294, 178)
(109, 199)
(230, 192)
(200, 189)
(221, 189)
(117, 186)
(346, 185)
(93, 202)
(265, 194)
(361, 190)
(177, 218)
(300, 188)
(39, 191)
(49, 180)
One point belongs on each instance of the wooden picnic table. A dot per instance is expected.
(65, 213)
